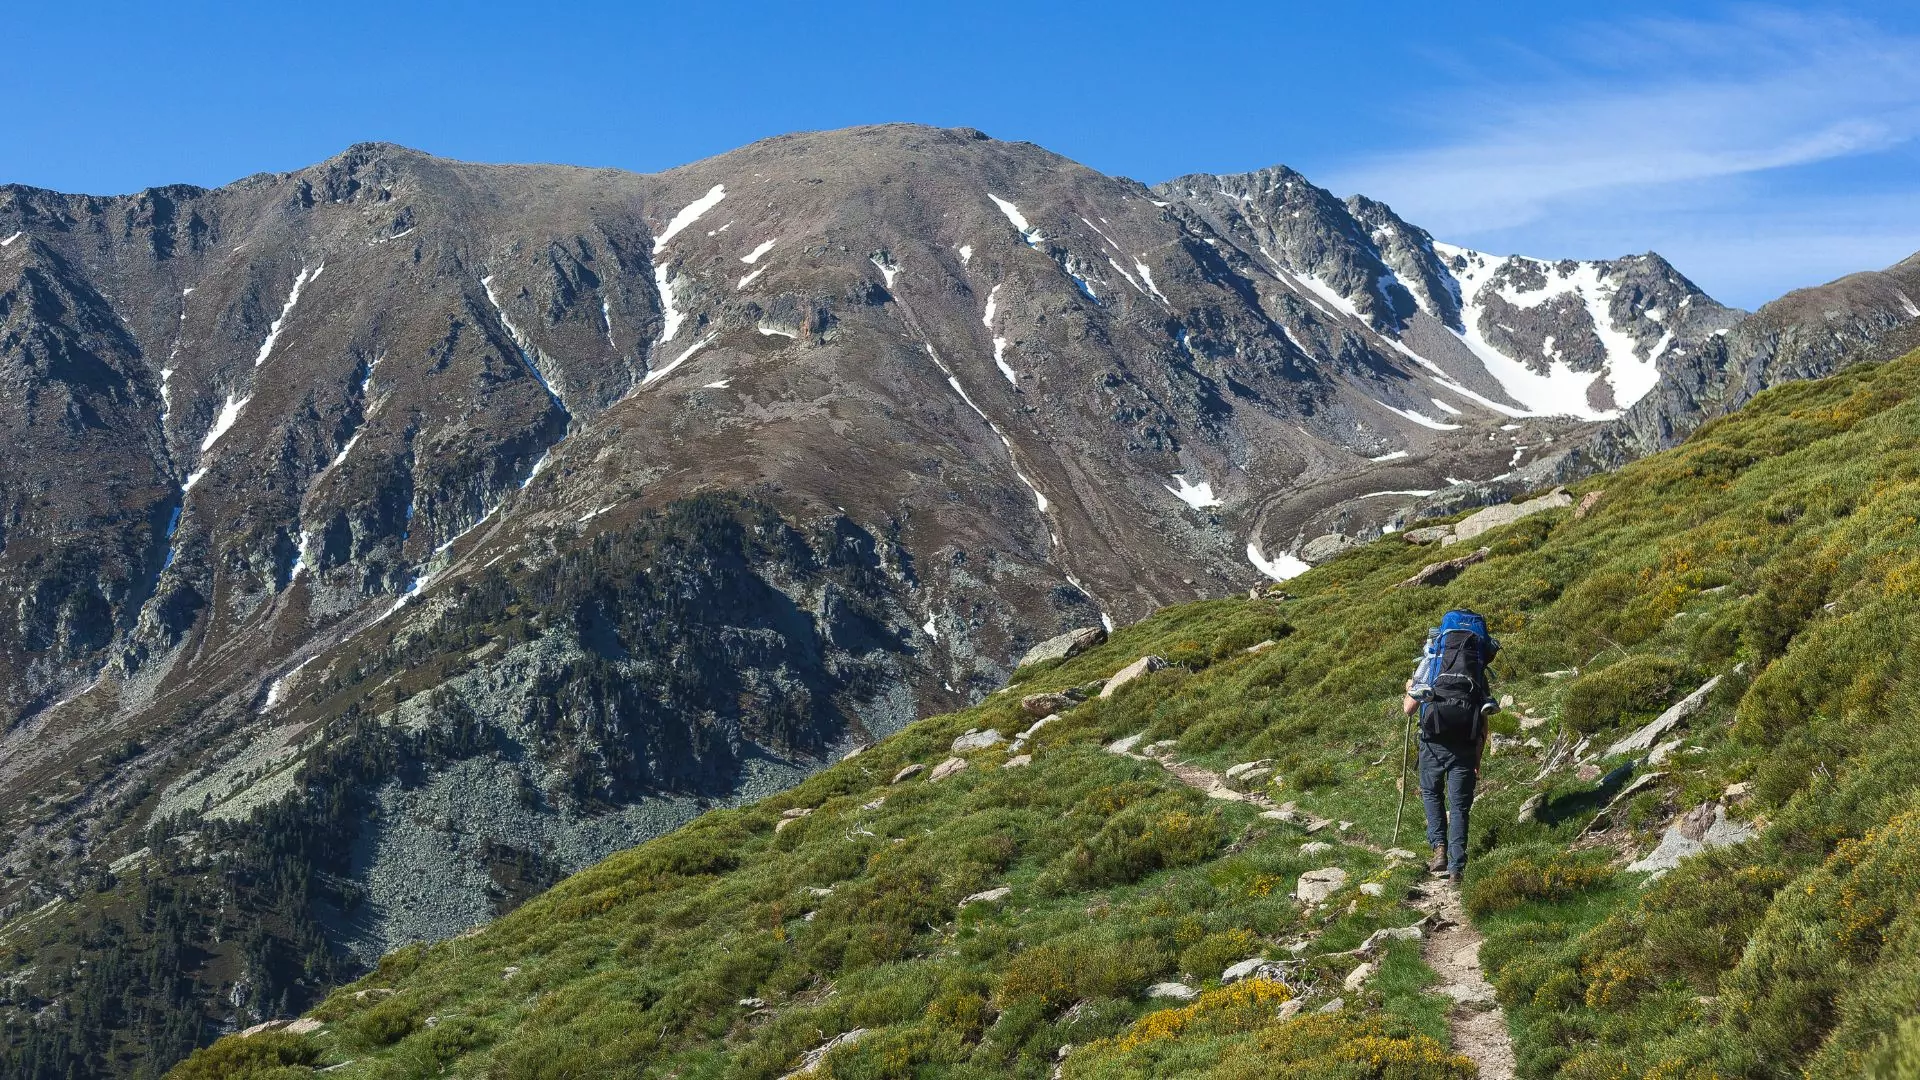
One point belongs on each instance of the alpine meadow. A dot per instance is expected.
(1007, 918)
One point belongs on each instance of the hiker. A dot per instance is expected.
(1449, 693)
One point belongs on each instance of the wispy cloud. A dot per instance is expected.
(1669, 110)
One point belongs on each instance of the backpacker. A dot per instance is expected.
(1451, 682)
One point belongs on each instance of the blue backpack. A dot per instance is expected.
(1451, 681)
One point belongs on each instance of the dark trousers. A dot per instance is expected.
(1448, 776)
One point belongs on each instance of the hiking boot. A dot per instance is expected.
(1456, 877)
(1438, 864)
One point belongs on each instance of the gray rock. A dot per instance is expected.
(977, 740)
(1430, 534)
(1244, 767)
(1506, 514)
(946, 768)
(908, 773)
(1070, 644)
(1333, 1006)
(812, 1059)
(1315, 847)
(1373, 888)
(1146, 665)
(988, 896)
(1045, 704)
(1017, 761)
(1675, 716)
(1126, 745)
(1703, 828)
(1358, 976)
(1316, 886)
(1442, 572)
(1321, 548)
(1173, 991)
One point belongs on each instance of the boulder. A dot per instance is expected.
(1442, 572)
(1333, 1006)
(1326, 546)
(1246, 767)
(1507, 513)
(1034, 728)
(946, 768)
(989, 896)
(856, 751)
(1172, 990)
(1315, 886)
(1379, 938)
(1144, 666)
(1043, 704)
(1262, 646)
(1399, 854)
(1315, 847)
(1257, 967)
(1126, 745)
(908, 773)
(1663, 751)
(1430, 534)
(1358, 976)
(1373, 888)
(1290, 1008)
(1070, 644)
(788, 817)
(1587, 502)
(977, 740)
(1017, 761)
(1703, 828)
(1678, 714)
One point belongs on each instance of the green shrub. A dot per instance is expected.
(1530, 873)
(1060, 974)
(1208, 957)
(267, 1056)
(1139, 840)
(1634, 689)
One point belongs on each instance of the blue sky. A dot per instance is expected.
(1760, 148)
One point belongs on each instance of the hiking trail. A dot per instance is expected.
(1452, 949)
(1451, 946)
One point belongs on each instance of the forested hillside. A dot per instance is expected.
(862, 913)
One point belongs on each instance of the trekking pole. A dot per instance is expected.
(1406, 739)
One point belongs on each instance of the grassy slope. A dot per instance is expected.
(1775, 548)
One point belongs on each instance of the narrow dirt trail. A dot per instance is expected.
(1452, 949)
(1451, 946)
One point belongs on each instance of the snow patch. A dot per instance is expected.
(690, 214)
(1199, 496)
(992, 303)
(1444, 407)
(670, 314)
(1419, 418)
(777, 331)
(1282, 567)
(1146, 275)
(966, 253)
(748, 280)
(887, 268)
(8, 242)
(1906, 303)
(273, 329)
(228, 414)
(753, 256)
(1395, 456)
(1377, 494)
(930, 628)
(606, 317)
(719, 384)
(1000, 360)
(656, 376)
(524, 347)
